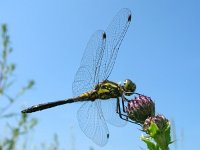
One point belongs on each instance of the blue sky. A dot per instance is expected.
(160, 53)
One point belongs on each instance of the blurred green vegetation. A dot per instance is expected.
(14, 125)
(23, 123)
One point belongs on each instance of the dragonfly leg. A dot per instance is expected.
(123, 115)
(117, 106)
(126, 118)
(123, 106)
(118, 110)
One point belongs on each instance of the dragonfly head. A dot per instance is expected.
(129, 87)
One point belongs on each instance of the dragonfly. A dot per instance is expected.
(103, 100)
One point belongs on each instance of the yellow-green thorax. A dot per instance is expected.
(104, 90)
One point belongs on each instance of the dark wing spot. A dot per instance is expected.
(104, 35)
(129, 18)
(108, 136)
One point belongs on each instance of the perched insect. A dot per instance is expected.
(103, 99)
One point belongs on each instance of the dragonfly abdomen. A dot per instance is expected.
(43, 106)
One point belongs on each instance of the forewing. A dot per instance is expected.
(92, 122)
(87, 75)
(114, 36)
(110, 114)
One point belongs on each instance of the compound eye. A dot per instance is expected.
(129, 87)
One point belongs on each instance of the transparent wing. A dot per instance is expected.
(87, 75)
(110, 114)
(92, 122)
(114, 36)
(96, 65)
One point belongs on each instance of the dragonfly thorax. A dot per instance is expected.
(108, 89)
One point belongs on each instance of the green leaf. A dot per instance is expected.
(23, 119)
(151, 145)
(25, 88)
(4, 28)
(167, 134)
(30, 84)
(33, 123)
(153, 129)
